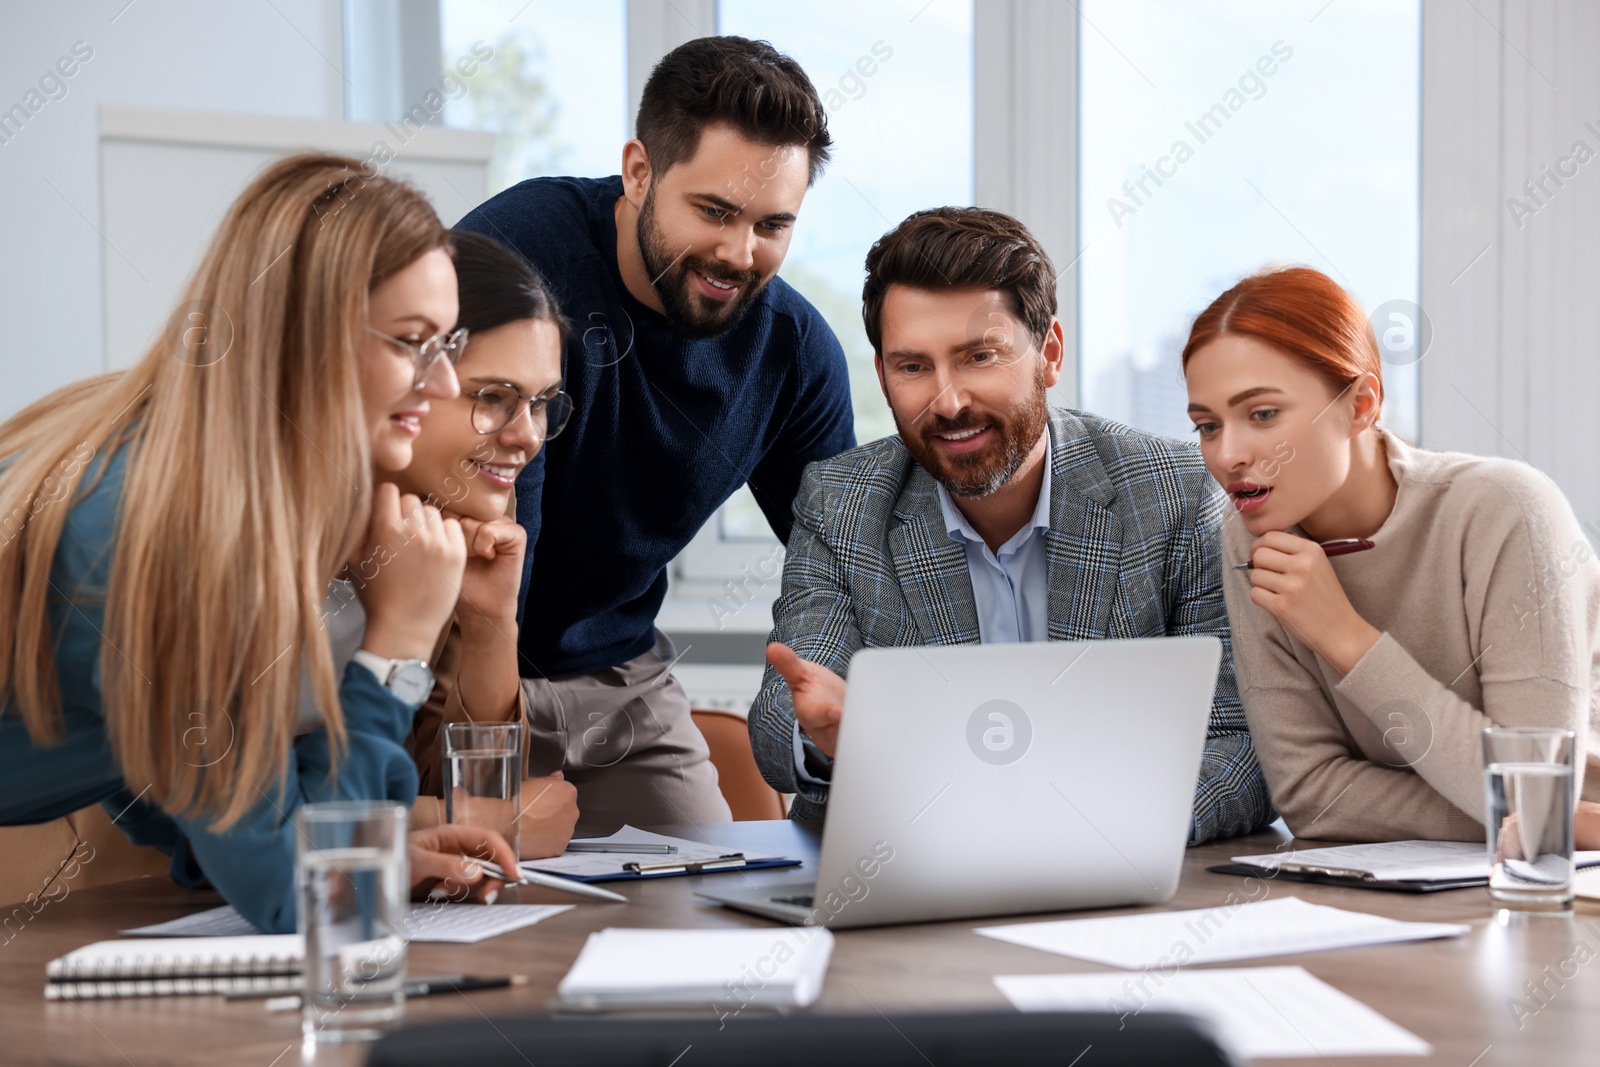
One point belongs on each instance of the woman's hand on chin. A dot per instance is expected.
(1293, 580)
(410, 571)
(493, 577)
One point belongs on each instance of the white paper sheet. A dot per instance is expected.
(727, 969)
(1215, 935)
(1398, 860)
(457, 923)
(594, 864)
(1260, 1011)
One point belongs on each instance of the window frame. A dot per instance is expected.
(1019, 84)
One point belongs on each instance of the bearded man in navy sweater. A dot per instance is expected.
(694, 370)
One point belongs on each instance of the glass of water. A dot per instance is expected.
(352, 881)
(1528, 776)
(483, 777)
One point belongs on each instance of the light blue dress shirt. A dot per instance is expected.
(1010, 588)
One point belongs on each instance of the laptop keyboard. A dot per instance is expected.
(799, 900)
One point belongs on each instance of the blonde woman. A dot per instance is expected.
(168, 533)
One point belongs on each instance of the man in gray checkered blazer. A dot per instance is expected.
(990, 517)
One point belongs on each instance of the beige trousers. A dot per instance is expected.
(623, 737)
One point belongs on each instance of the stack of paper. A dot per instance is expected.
(1260, 1011)
(1214, 935)
(727, 970)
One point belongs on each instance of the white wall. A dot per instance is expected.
(280, 58)
(168, 177)
(1510, 88)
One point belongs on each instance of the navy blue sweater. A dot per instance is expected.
(664, 429)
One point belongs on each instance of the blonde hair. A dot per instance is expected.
(247, 486)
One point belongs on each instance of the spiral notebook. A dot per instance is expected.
(155, 967)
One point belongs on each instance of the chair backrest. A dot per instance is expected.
(748, 795)
(806, 1040)
(73, 852)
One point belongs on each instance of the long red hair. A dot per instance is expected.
(1301, 312)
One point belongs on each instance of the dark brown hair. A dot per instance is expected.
(497, 286)
(962, 248)
(749, 85)
(1300, 312)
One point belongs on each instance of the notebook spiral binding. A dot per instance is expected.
(140, 975)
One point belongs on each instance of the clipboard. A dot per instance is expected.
(1349, 879)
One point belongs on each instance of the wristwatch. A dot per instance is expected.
(410, 680)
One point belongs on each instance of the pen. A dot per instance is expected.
(1342, 547)
(721, 863)
(614, 846)
(548, 881)
(418, 987)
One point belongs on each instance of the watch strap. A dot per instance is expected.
(381, 668)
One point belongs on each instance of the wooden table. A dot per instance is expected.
(1460, 995)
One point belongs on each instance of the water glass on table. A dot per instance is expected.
(483, 777)
(352, 883)
(1528, 787)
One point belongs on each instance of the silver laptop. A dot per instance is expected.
(1000, 779)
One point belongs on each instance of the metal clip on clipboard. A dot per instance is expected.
(721, 863)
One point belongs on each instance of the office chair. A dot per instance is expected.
(983, 1039)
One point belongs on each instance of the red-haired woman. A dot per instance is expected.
(1368, 678)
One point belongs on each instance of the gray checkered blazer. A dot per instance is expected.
(1133, 548)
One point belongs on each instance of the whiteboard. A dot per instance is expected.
(168, 177)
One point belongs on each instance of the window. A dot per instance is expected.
(896, 79)
(1242, 135)
(553, 93)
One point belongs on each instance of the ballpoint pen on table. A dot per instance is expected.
(414, 987)
(1342, 547)
(718, 863)
(548, 881)
(622, 846)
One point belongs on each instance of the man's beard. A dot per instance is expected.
(980, 473)
(691, 314)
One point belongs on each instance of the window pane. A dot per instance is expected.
(554, 93)
(896, 79)
(1220, 137)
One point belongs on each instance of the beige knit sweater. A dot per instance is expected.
(1488, 597)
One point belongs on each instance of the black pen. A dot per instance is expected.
(414, 987)
(459, 983)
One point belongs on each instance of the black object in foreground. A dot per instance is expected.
(963, 1040)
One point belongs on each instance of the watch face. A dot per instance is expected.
(411, 681)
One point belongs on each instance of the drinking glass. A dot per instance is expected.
(1528, 776)
(352, 885)
(483, 777)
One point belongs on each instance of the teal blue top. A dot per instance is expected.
(251, 863)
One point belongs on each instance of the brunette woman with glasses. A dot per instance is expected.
(466, 461)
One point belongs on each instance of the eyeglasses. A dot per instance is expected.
(494, 407)
(425, 355)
